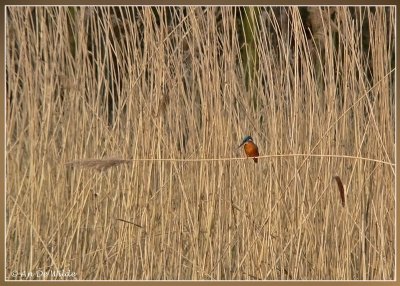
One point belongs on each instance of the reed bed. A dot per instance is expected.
(117, 89)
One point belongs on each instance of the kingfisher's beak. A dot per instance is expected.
(241, 144)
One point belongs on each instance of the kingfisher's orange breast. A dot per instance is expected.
(251, 150)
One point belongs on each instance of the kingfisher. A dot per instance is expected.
(250, 148)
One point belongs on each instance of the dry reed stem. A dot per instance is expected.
(98, 164)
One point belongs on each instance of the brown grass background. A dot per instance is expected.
(189, 83)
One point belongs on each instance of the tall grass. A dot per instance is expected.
(170, 83)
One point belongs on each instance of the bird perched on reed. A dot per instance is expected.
(250, 148)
